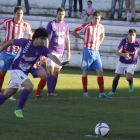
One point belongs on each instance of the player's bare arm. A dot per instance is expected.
(30, 36)
(101, 39)
(7, 44)
(77, 35)
(56, 60)
(47, 41)
(119, 52)
(67, 42)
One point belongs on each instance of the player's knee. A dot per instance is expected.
(44, 77)
(30, 87)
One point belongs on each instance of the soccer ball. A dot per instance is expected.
(102, 129)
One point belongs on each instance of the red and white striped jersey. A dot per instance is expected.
(92, 35)
(14, 31)
(41, 60)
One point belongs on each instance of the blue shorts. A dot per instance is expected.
(91, 60)
(35, 71)
(6, 59)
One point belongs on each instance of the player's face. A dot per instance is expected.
(41, 41)
(96, 20)
(131, 37)
(18, 15)
(60, 16)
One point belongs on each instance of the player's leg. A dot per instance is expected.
(20, 79)
(129, 76)
(6, 60)
(115, 84)
(85, 82)
(7, 94)
(120, 69)
(39, 72)
(54, 70)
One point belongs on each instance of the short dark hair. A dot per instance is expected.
(132, 31)
(18, 8)
(89, 1)
(40, 32)
(96, 14)
(60, 10)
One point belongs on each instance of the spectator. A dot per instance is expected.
(26, 5)
(70, 6)
(131, 3)
(113, 5)
(80, 6)
(88, 12)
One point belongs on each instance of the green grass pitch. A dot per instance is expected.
(69, 116)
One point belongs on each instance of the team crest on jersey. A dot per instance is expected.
(84, 63)
(64, 28)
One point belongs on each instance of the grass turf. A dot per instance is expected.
(69, 116)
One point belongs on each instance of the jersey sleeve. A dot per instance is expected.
(3, 24)
(121, 44)
(102, 30)
(46, 51)
(20, 42)
(49, 28)
(81, 29)
(28, 29)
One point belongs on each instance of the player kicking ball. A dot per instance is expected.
(29, 53)
(128, 52)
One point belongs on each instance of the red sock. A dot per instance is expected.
(41, 85)
(84, 81)
(1, 81)
(101, 84)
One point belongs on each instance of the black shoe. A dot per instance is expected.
(69, 15)
(124, 19)
(132, 20)
(111, 18)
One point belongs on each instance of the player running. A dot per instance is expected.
(29, 53)
(128, 52)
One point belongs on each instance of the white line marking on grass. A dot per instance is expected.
(71, 98)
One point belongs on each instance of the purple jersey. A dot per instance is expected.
(27, 55)
(125, 46)
(58, 31)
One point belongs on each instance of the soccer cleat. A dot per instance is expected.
(103, 95)
(12, 98)
(85, 94)
(111, 93)
(51, 94)
(38, 97)
(18, 113)
(131, 88)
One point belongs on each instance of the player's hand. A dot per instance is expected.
(64, 63)
(126, 55)
(68, 56)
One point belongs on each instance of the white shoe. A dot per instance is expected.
(12, 98)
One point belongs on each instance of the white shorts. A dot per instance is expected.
(51, 63)
(17, 78)
(121, 67)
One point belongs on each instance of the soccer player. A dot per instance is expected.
(29, 53)
(58, 37)
(128, 52)
(14, 28)
(93, 36)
